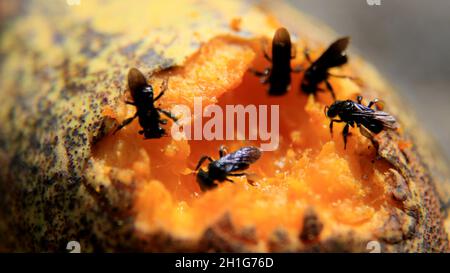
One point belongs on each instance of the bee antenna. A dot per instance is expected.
(325, 110)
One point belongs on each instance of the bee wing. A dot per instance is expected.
(240, 159)
(335, 54)
(136, 81)
(388, 121)
(385, 119)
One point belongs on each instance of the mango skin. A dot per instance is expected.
(61, 65)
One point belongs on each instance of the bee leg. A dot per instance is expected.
(237, 174)
(259, 73)
(159, 96)
(307, 56)
(264, 80)
(266, 55)
(372, 103)
(352, 124)
(130, 103)
(330, 88)
(359, 99)
(256, 72)
(345, 135)
(167, 114)
(163, 121)
(223, 150)
(164, 86)
(263, 75)
(251, 182)
(378, 104)
(203, 159)
(229, 180)
(125, 123)
(264, 49)
(331, 124)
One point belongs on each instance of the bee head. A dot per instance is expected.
(333, 110)
(204, 181)
(282, 38)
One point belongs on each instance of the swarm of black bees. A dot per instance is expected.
(369, 119)
(351, 113)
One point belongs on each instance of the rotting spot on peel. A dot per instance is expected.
(310, 168)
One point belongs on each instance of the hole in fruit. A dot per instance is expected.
(309, 169)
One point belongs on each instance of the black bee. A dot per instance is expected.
(225, 166)
(353, 113)
(149, 115)
(317, 72)
(279, 76)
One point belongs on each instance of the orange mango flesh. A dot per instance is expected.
(309, 169)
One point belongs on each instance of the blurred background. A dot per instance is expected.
(408, 41)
